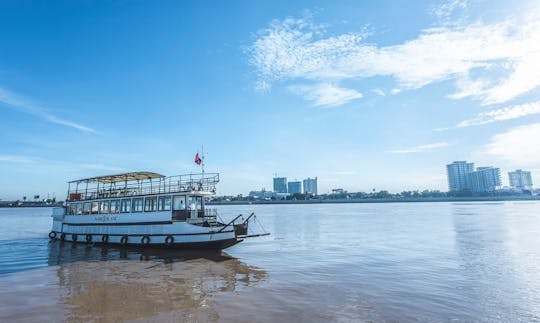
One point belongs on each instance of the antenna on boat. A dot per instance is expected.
(202, 163)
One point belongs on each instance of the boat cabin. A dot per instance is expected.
(144, 192)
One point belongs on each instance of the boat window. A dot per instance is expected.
(137, 205)
(126, 206)
(95, 207)
(72, 209)
(179, 202)
(115, 206)
(164, 203)
(194, 203)
(199, 202)
(79, 208)
(150, 204)
(104, 207)
(87, 209)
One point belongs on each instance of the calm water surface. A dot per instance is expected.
(434, 262)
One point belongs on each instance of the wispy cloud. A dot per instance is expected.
(22, 104)
(324, 94)
(344, 172)
(420, 148)
(511, 112)
(16, 159)
(490, 62)
(446, 10)
(45, 162)
(378, 92)
(102, 167)
(518, 146)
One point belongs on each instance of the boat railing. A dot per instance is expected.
(196, 216)
(174, 184)
(210, 213)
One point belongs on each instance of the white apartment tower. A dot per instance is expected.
(457, 175)
(484, 179)
(520, 179)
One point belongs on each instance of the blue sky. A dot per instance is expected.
(362, 95)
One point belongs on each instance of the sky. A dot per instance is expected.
(363, 95)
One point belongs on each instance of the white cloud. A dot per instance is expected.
(511, 112)
(24, 105)
(506, 53)
(419, 149)
(518, 146)
(325, 94)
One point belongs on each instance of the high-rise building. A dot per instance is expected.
(520, 179)
(294, 187)
(280, 184)
(310, 186)
(484, 179)
(457, 174)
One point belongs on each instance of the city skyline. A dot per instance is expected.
(461, 176)
(352, 92)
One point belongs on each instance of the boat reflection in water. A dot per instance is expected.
(104, 283)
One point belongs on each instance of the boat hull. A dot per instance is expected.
(156, 233)
(199, 245)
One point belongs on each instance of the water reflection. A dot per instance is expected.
(93, 283)
(486, 263)
(66, 252)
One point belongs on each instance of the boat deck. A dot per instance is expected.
(140, 183)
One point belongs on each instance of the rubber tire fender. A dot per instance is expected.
(169, 240)
(145, 239)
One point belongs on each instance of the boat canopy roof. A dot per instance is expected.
(131, 176)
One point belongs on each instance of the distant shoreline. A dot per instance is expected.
(333, 201)
(385, 200)
(13, 204)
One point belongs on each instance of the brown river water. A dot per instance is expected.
(402, 262)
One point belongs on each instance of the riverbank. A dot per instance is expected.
(384, 200)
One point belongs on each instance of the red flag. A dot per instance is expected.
(198, 160)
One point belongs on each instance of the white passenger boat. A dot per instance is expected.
(146, 209)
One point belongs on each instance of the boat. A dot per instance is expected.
(147, 209)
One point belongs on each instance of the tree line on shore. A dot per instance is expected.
(383, 194)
